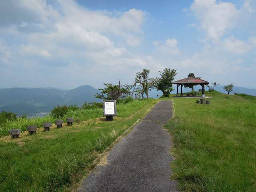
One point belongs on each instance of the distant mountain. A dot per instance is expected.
(220, 88)
(34, 100)
(236, 89)
(77, 96)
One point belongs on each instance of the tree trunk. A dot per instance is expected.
(166, 93)
(147, 93)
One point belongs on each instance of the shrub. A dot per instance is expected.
(125, 100)
(59, 111)
(7, 116)
(73, 108)
(242, 94)
(94, 105)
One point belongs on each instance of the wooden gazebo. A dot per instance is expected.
(191, 81)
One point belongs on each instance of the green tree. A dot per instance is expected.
(129, 89)
(164, 83)
(112, 92)
(143, 83)
(190, 75)
(229, 88)
(138, 91)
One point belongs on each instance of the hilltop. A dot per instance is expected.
(213, 145)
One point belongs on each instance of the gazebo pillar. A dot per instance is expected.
(203, 90)
(177, 89)
(181, 90)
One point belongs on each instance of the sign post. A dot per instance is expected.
(109, 108)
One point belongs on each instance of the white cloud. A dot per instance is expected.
(170, 46)
(126, 25)
(225, 54)
(29, 50)
(64, 37)
(216, 18)
(24, 12)
(237, 46)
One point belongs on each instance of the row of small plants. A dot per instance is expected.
(9, 121)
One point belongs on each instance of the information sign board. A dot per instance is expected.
(110, 108)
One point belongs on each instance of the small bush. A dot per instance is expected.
(73, 108)
(94, 105)
(125, 100)
(59, 111)
(242, 94)
(7, 116)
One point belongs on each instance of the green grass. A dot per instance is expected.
(215, 145)
(23, 123)
(56, 160)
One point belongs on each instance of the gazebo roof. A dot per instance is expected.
(191, 80)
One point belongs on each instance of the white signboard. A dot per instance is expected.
(109, 108)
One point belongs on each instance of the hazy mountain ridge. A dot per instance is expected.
(34, 100)
(220, 88)
(237, 90)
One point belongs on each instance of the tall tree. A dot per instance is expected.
(229, 88)
(111, 92)
(164, 83)
(143, 82)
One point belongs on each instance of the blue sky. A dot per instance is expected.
(64, 44)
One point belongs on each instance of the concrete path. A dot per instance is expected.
(140, 161)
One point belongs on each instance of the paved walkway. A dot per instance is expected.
(140, 162)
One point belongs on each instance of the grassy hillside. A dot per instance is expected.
(215, 145)
(53, 161)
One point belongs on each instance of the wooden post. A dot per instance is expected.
(181, 90)
(177, 89)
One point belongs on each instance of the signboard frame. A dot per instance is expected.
(114, 101)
